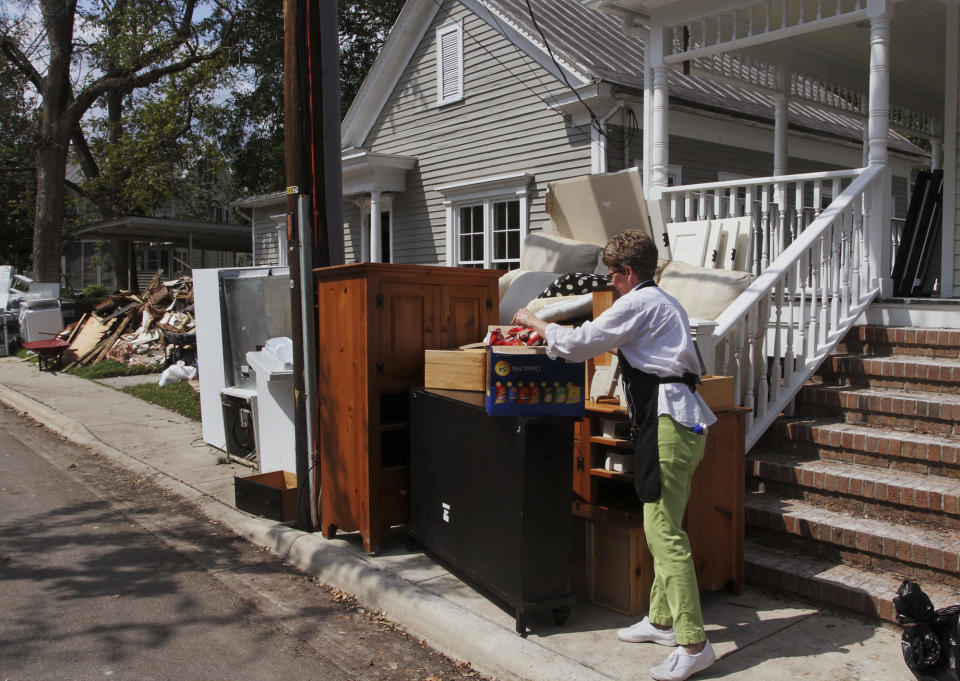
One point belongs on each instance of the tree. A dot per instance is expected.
(253, 137)
(16, 166)
(121, 47)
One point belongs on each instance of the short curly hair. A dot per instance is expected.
(635, 248)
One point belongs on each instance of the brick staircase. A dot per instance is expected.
(862, 488)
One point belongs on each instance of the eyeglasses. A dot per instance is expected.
(613, 271)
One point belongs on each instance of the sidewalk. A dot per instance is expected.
(758, 635)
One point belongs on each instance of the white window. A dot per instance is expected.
(450, 63)
(487, 221)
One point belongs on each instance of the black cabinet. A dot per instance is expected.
(491, 497)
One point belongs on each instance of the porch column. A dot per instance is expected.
(780, 125)
(647, 161)
(660, 123)
(878, 126)
(376, 251)
(951, 152)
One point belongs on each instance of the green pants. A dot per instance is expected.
(674, 596)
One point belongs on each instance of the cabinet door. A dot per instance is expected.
(464, 314)
(407, 328)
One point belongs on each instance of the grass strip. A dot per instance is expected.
(178, 397)
(111, 368)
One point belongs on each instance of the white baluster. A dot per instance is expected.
(776, 370)
(750, 398)
(846, 222)
(797, 211)
(802, 286)
(737, 338)
(814, 332)
(754, 254)
(865, 269)
(856, 248)
(765, 226)
(824, 313)
(792, 300)
(760, 356)
(687, 206)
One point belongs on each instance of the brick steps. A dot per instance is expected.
(892, 494)
(920, 553)
(883, 340)
(897, 372)
(861, 489)
(907, 410)
(829, 439)
(843, 586)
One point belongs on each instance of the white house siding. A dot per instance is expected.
(351, 231)
(265, 233)
(501, 126)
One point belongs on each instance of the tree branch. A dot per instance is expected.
(22, 63)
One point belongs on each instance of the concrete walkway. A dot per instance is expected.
(758, 635)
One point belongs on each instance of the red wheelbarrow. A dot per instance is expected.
(49, 352)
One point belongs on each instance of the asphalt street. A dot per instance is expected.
(107, 575)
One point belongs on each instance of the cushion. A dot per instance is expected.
(704, 292)
(562, 308)
(523, 288)
(544, 252)
(575, 284)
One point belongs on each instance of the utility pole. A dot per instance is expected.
(312, 139)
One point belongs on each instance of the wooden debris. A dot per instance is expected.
(127, 327)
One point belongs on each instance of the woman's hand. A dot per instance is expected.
(526, 318)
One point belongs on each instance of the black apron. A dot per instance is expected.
(643, 393)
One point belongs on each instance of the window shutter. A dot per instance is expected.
(449, 63)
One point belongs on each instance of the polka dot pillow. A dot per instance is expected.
(575, 285)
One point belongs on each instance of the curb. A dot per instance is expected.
(446, 627)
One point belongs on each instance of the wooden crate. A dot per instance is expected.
(717, 391)
(455, 369)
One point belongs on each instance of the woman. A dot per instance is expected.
(651, 333)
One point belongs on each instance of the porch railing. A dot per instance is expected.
(780, 208)
(814, 279)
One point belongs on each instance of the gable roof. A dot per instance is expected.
(586, 45)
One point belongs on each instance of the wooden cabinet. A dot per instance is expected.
(618, 564)
(375, 321)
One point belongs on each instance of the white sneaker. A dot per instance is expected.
(643, 631)
(682, 665)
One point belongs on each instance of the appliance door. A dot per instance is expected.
(256, 309)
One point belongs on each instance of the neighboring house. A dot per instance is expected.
(164, 241)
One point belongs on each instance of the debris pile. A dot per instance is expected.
(147, 329)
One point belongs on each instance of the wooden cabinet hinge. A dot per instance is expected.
(380, 369)
(489, 303)
(579, 463)
(379, 302)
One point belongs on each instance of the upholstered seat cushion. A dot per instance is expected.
(544, 252)
(703, 292)
(523, 288)
(562, 308)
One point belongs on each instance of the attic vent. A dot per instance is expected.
(449, 63)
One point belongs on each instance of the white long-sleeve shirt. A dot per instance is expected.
(652, 331)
